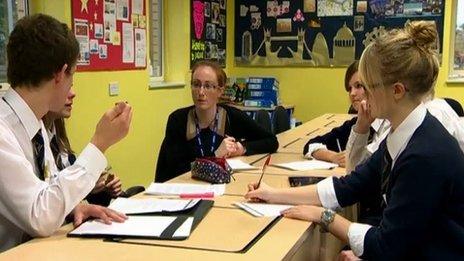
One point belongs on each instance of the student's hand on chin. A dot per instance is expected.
(83, 211)
(304, 212)
(365, 119)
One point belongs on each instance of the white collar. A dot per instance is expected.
(398, 139)
(377, 124)
(24, 112)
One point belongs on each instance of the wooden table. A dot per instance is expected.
(286, 239)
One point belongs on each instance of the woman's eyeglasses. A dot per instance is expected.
(207, 85)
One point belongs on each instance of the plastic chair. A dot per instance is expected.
(264, 120)
(132, 191)
(457, 107)
(280, 120)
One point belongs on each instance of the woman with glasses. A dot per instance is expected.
(207, 128)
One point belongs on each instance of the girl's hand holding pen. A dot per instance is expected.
(261, 193)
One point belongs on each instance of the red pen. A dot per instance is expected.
(197, 195)
(264, 168)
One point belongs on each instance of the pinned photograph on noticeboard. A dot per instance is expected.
(116, 38)
(210, 31)
(358, 24)
(207, 9)
(361, 6)
(255, 21)
(219, 35)
(93, 46)
(140, 48)
(109, 20)
(98, 31)
(127, 43)
(284, 25)
(243, 10)
(137, 6)
(215, 11)
(135, 20)
(309, 6)
(102, 51)
(122, 10)
(142, 21)
(334, 8)
(81, 31)
(222, 4)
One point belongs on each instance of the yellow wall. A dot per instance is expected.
(312, 90)
(134, 158)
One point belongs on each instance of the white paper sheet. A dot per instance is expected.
(262, 209)
(307, 165)
(237, 164)
(141, 206)
(184, 188)
(134, 226)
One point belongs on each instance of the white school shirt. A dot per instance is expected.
(29, 206)
(396, 143)
(358, 151)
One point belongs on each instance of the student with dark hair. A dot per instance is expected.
(416, 175)
(331, 146)
(34, 198)
(208, 128)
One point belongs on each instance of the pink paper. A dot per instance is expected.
(198, 18)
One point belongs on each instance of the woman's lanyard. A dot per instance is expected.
(213, 141)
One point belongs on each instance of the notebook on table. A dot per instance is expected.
(172, 225)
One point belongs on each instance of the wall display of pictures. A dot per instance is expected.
(208, 31)
(322, 33)
(111, 34)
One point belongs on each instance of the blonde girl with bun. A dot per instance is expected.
(417, 174)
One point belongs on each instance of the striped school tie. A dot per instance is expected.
(39, 153)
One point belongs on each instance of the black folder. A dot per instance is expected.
(198, 212)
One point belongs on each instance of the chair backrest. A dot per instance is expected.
(457, 107)
(263, 119)
(280, 120)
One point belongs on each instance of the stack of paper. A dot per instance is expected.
(135, 226)
(185, 188)
(237, 164)
(262, 209)
(307, 165)
(145, 206)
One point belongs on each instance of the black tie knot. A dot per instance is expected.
(39, 153)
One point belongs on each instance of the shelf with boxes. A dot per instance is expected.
(253, 94)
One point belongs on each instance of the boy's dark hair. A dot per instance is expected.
(38, 48)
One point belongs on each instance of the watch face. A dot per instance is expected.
(328, 215)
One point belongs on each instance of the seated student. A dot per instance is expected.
(208, 128)
(326, 147)
(359, 148)
(35, 199)
(107, 186)
(416, 173)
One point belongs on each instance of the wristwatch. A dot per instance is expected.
(327, 217)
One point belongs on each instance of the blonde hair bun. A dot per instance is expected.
(423, 33)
